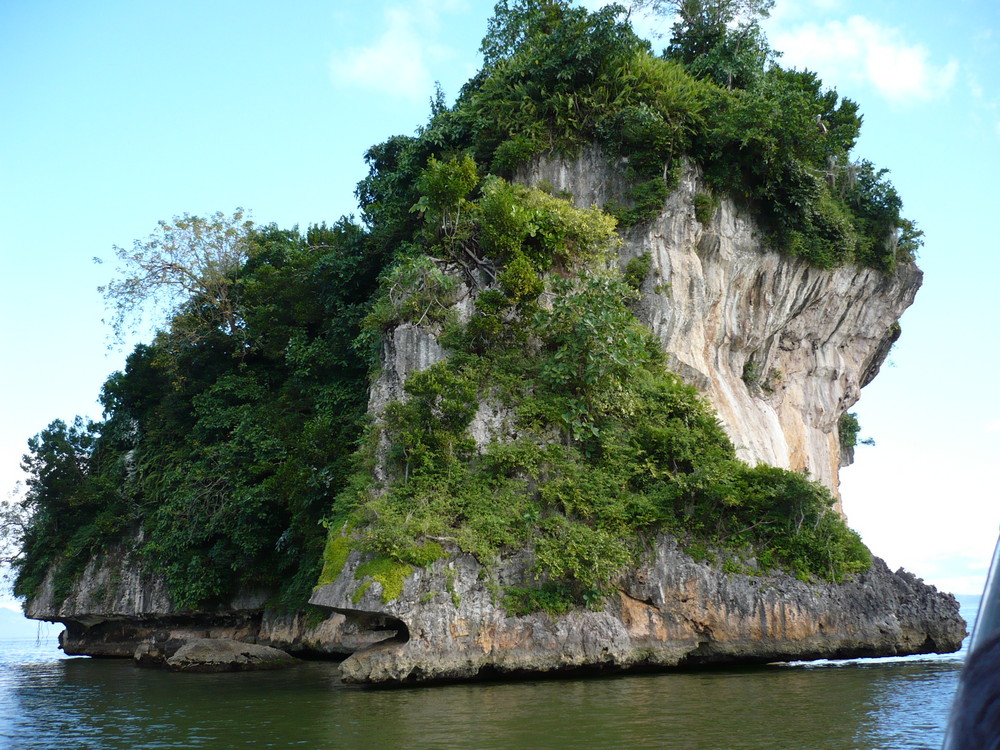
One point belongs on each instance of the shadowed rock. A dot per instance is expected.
(224, 655)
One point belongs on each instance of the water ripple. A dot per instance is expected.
(47, 702)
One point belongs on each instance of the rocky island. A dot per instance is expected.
(574, 397)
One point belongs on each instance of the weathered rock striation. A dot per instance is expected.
(669, 612)
(781, 348)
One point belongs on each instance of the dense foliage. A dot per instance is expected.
(223, 448)
(231, 436)
(557, 78)
(596, 444)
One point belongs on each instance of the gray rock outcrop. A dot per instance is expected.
(671, 611)
(226, 655)
(118, 604)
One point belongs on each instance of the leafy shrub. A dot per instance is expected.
(705, 206)
(637, 269)
(515, 152)
(416, 290)
(848, 429)
(519, 281)
(554, 598)
(515, 220)
(575, 551)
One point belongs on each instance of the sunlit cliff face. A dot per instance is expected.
(780, 348)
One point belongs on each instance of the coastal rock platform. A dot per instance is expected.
(450, 622)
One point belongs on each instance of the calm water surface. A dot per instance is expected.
(48, 701)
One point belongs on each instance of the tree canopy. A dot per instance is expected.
(190, 261)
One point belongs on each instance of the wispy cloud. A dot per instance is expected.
(797, 10)
(398, 63)
(864, 51)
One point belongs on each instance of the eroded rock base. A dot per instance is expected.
(671, 612)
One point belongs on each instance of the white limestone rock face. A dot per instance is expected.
(114, 584)
(407, 348)
(779, 347)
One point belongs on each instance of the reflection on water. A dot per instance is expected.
(111, 704)
(914, 707)
(51, 702)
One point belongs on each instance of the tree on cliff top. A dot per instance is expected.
(187, 261)
(718, 39)
(513, 22)
(14, 523)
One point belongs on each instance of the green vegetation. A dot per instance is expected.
(637, 269)
(554, 598)
(223, 448)
(231, 438)
(704, 207)
(391, 574)
(338, 547)
(848, 430)
(176, 264)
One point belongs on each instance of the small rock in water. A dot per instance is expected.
(224, 655)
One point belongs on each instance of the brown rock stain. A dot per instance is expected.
(642, 620)
(459, 628)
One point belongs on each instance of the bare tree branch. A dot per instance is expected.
(187, 260)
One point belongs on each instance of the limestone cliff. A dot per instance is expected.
(780, 347)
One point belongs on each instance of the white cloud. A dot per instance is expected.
(861, 50)
(785, 11)
(399, 62)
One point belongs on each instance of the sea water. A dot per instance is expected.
(50, 701)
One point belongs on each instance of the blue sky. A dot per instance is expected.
(117, 114)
